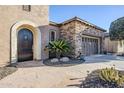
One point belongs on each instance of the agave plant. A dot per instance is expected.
(58, 47)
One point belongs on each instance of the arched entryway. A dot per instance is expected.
(31, 30)
(25, 45)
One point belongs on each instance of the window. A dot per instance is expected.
(27, 8)
(52, 35)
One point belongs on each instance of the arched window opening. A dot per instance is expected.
(52, 35)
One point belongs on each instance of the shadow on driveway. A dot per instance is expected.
(76, 85)
(103, 58)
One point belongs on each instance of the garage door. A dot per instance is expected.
(89, 46)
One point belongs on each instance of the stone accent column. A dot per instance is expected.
(102, 44)
(78, 44)
(67, 32)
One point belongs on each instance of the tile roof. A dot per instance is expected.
(78, 19)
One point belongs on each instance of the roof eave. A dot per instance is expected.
(53, 23)
(83, 21)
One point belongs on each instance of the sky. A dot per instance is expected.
(101, 15)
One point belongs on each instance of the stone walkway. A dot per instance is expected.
(34, 74)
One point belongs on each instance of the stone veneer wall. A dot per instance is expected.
(9, 15)
(72, 32)
(67, 32)
(84, 29)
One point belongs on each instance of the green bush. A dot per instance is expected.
(58, 47)
(111, 76)
(116, 29)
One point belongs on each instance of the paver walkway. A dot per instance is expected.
(35, 74)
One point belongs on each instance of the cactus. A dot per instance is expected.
(120, 81)
(111, 75)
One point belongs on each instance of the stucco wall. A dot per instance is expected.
(9, 15)
(110, 46)
(120, 47)
(114, 46)
(45, 38)
(55, 29)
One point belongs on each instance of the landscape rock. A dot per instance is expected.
(64, 59)
(54, 60)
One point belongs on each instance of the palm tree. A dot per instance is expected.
(58, 47)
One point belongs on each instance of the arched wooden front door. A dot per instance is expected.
(25, 43)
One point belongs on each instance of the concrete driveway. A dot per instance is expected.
(34, 74)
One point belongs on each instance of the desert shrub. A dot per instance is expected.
(111, 76)
(104, 78)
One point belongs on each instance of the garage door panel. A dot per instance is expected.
(89, 46)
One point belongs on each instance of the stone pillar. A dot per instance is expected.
(78, 45)
(102, 45)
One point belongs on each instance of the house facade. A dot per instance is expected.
(31, 20)
(86, 38)
(25, 31)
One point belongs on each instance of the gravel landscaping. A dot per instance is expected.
(35, 74)
(5, 71)
(71, 62)
(93, 81)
